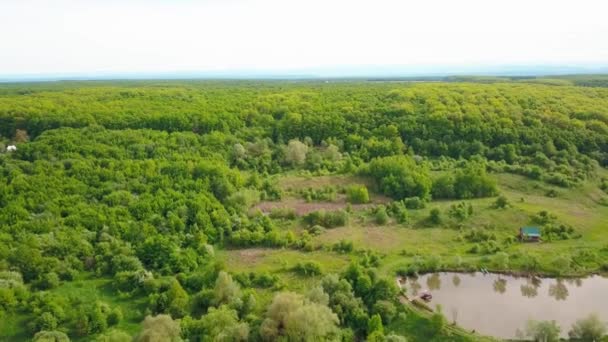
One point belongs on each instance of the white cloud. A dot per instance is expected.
(38, 36)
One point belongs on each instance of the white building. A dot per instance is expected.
(11, 148)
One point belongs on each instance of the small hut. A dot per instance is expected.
(11, 148)
(531, 234)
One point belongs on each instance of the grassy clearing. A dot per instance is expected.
(399, 243)
(280, 262)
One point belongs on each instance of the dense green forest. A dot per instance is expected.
(233, 210)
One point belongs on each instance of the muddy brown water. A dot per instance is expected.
(499, 305)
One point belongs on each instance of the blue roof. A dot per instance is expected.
(530, 231)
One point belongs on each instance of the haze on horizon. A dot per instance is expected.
(111, 36)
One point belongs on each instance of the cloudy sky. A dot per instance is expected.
(72, 36)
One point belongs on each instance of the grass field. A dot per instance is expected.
(400, 243)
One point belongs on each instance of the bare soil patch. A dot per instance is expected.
(302, 207)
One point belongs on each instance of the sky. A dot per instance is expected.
(112, 36)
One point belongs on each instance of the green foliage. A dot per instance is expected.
(591, 328)
(326, 193)
(414, 203)
(357, 194)
(293, 317)
(51, 336)
(461, 211)
(543, 331)
(343, 246)
(375, 325)
(380, 216)
(435, 216)
(401, 177)
(159, 328)
(308, 268)
(501, 202)
(135, 184)
(226, 290)
(219, 324)
(327, 219)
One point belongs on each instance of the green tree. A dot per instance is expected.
(375, 325)
(161, 328)
(543, 331)
(222, 324)
(292, 316)
(51, 336)
(226, 290)
(295, 153)
(590, 328)
(114, 336)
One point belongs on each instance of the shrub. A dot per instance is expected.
(308, 268)
(543, 217)
(460, 211)
(400, 177)
(501, 202)
(435, 216)
(327, 219)
(283, 213)
(115, 316)
(381, 217)
(327, 194)
(343, 246)
(357, 194)
(414, 203)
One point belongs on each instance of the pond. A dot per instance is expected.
(499, 305)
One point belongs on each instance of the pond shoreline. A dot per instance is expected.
(515, 273)
(498, 304)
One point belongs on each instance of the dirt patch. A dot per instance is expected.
(300, 182)
(302, 207)
(251, 255)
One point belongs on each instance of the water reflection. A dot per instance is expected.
(415, 286)
(500, 285)
(483, 302)
(559, 291)
(433, 282)
(456, 280)
(528, 290)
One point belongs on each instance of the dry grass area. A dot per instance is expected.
(303, 182)
(302, 207)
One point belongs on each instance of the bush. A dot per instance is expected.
(343, 246)
(554, 231)
(283, 213)
(309, 268)
(115, 316)
(435, 216)
(327, 194)
(327, 219)
(470, 182)
(357, 194)
(401, 177)
(381, 217)
(48, 281)
(414, 203)
(543, 217)
(501, 202)
(461, 211)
